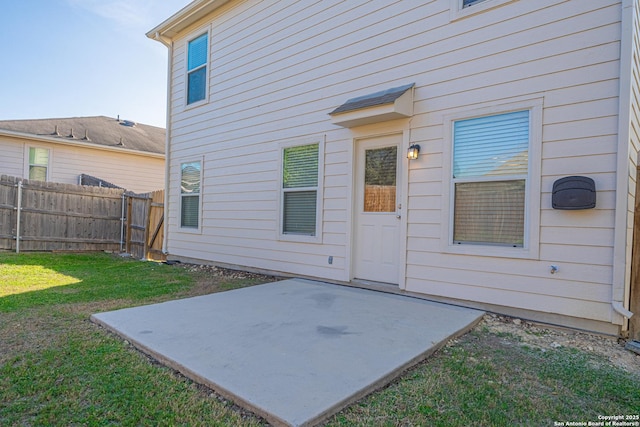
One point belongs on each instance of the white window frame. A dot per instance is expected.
(317, 238)
(187, 72)
(531, 246)
(27, 162)
(183, 229)
(459, 12)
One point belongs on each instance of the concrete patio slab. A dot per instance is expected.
(295, 351)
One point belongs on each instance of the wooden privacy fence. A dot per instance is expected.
(45, 216)
(145, 225)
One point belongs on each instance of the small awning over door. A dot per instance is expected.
(390, 104)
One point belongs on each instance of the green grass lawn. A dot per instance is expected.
(57, 368)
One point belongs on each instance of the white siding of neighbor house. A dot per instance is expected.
(11, 157)
(66, 163)
(278, 68)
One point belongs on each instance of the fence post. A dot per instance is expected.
(147, 226)
(122, 218)
(129, 219)
(18, 209)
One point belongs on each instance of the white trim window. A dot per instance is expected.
(190, 185)
(489, 179)
(463, 8)
(468, 3)
(38, 163)
(197, 57)
(301, 183)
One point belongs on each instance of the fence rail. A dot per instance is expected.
(45, 216)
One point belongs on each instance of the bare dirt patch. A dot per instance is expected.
(209, 279)
(548, 338)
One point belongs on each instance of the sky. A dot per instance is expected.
(76, 58)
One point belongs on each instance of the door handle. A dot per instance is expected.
(398, 216)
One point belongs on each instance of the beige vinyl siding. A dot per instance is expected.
(278, 68)
(12, 157)
(628, 129)
(134, 172)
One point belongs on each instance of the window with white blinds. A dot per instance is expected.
(197, 68)
(490, 170)
(190, 181)
(300, 189)
(38, 163)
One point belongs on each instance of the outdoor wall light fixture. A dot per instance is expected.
(412, 153)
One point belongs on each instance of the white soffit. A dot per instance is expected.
(390, 104)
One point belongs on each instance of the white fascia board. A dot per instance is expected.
(185, 17)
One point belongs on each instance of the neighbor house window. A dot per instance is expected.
(38, 163)
(190, 179)
(490, 172)
(300, 166)
(197, 68)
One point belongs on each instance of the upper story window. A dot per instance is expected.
(467, 3)
(463, 8)
(38, 163)
(197, 68)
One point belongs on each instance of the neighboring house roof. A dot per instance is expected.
(99, 130)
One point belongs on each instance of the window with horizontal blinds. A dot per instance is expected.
(38, 163)
(197, 68)
(490, 168)
(299, 212)
(190, 181)
(300, 189)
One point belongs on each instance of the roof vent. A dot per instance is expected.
(121, 144)
(86, 135)
(55, 131)
(128, 123)
(71, 135)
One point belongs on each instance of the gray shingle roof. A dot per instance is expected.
(99, 130)
(379, 98)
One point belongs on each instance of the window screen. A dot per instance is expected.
(300, 189)
(490, 167)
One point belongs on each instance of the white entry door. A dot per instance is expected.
(377, 210)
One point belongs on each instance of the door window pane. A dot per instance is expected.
(380, 179)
